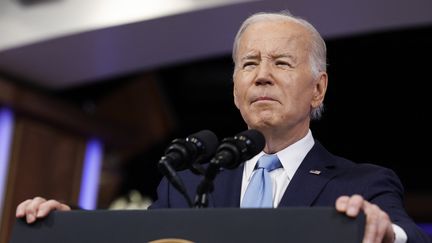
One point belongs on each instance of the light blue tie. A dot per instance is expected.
(259, 193)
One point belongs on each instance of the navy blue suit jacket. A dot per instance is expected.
(338, 177)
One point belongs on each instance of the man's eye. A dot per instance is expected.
(249, 64)
(283, 64)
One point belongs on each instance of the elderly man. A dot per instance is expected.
(280, 81)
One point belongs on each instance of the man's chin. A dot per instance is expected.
(262, 124)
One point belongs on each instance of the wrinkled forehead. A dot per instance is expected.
(274, 37)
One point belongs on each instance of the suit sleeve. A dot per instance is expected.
(162, 200)
(386, 191)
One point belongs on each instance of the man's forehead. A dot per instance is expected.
(271, 33)
(283, 27)
(272, 46)
(277, 53)
(273, 38)
(278, 38)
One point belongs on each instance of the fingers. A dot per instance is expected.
(38, 208)
(351, 206)
(20, 211)
(48, 206)
(32, 208)
(371, 228)
(378, 225)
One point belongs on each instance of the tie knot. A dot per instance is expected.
(269, 162)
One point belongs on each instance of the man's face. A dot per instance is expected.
(273, 83)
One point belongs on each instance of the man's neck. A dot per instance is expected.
(277, 140)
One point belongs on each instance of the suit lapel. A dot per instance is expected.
(316, 170)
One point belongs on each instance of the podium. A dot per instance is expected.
(220, 225)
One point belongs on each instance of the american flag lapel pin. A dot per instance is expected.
(315, 172)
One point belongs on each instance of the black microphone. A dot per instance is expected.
(198, 147)
(230, 154)
(235, 150)
(184, 153)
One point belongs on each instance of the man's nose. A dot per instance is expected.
(264, 75)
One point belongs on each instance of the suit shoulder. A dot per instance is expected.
(368, 168)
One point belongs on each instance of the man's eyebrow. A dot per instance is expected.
(284, 55)
(250, 57)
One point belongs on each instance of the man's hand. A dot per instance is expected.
(38, 207)
(378, 225)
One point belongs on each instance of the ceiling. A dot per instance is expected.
(60, 44)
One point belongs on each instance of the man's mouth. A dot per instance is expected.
(262, 98)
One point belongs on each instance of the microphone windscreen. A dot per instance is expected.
(206, 141)
(255, 143)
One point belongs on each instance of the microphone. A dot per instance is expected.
(184, 153)
(235, 150)
(197, 147)
(230, 154)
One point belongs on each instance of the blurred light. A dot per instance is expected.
(90, 175)
(427, 228)
(6, 129)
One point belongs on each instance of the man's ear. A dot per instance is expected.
(320, 88)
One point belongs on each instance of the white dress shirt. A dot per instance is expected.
(291, 158)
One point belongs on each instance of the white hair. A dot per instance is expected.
(317, 56)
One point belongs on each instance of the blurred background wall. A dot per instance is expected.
(91, 93)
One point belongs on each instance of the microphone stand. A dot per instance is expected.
(175, 180)
(206, 186)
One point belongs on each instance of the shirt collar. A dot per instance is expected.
(290, 157)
